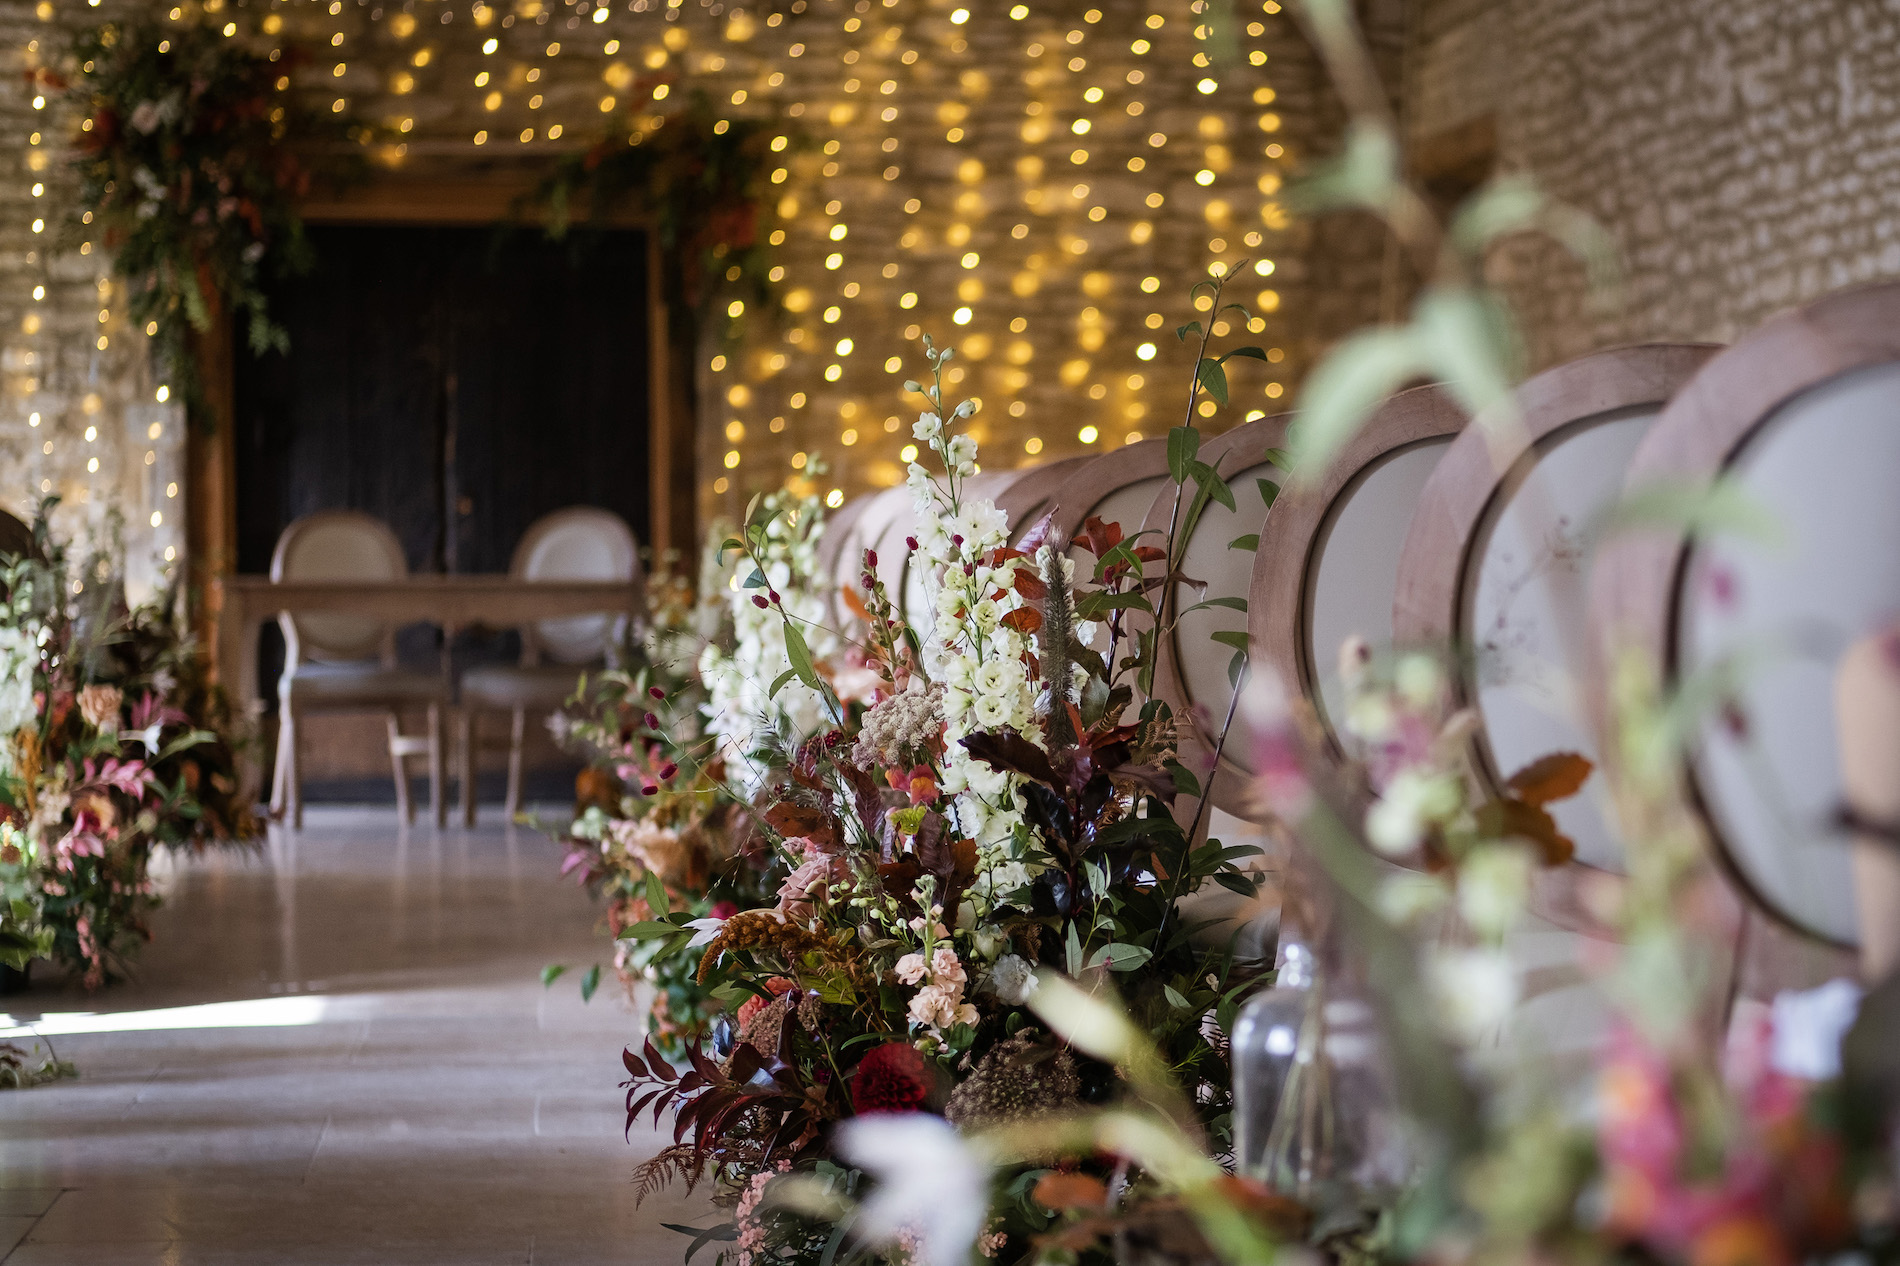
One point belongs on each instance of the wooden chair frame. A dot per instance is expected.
(1636, 586)
(287, 775)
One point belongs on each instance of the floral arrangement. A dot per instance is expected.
(115, 743)
(967, 802)
(658, 829)
(186, 170)
(1398, 1094)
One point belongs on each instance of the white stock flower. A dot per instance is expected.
(927, 428)
(992, 711)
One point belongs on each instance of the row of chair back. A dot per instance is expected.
(339, 663)
(1492, 537)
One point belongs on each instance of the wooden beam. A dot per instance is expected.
(211, 474)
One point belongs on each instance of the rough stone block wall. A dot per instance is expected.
(1744, 154)
(79, 416)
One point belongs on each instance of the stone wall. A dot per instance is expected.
(1744, 154)
(79, 417)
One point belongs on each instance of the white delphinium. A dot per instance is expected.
(738, 679)
(968, 647)
(19, 656)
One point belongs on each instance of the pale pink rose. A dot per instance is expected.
(910, 968)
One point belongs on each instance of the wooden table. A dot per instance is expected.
(451, 601)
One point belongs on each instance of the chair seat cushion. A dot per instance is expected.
(363, 683)
(541, 687)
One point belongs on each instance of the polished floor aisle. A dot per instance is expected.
(339, 1051)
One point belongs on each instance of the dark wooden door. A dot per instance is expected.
(455, 383)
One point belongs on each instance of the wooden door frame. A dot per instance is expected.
(446, 201)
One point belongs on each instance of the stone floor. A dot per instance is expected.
(379, 1075)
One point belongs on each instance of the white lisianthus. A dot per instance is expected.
(992, 711)
(1013, 980)
(986, 614)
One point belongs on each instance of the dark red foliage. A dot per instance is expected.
(892, 1078)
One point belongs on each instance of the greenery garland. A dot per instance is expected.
(185, 172)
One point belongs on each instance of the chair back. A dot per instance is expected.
(337, 545)
(578, 543)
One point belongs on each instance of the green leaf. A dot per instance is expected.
(1344, 389)
(1269, 491)
(1364, 174)
(779, 682)
(1213, 380)
(1251, 353)
(1230, 603)
(1176, 999)
(1181, 332)
(590, 981)
(1467, 338)
(1213, 485)
(656, 896)
(649, 930)
(1120, 956)
(1184, 443)
(800, 655)
(1074, 954)
(1235, 638)
(756, 581)
(1721, 506)
(1185, 782)
(1281, 458)
(1250, 542)
(1238, 881)
(551, 973)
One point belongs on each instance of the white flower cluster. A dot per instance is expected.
(738, 681)
(968, 648)
(19, 656)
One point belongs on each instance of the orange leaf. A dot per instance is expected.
(856, 603)
(1529, 822)
(1030, 585)
(1059, 1191)
(1554, 777)
(1024, 620)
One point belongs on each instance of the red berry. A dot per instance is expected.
(910, 542)
(668, 770)
(759, 602)
(656, 692)
(870, 559)
(773, 595)
(653, 722)
(651, 789)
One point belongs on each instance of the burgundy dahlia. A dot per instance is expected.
(892, 1078)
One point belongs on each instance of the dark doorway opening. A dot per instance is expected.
(457, 383)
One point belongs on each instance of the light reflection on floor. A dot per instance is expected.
(338, 1051)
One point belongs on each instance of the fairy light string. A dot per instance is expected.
(1036, 182)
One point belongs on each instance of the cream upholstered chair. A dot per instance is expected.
(578, 543)
(347, 663)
